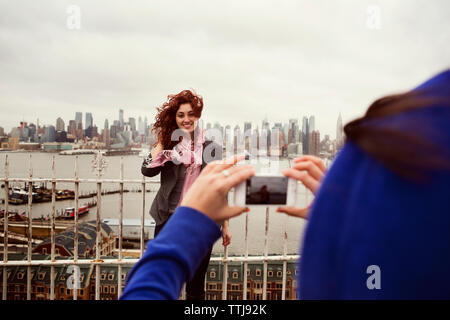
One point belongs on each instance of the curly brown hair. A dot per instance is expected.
(165, 122)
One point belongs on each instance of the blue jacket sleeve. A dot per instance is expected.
(172, 257)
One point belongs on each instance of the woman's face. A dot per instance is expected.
(185, 117)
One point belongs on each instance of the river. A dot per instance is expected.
(19, 167)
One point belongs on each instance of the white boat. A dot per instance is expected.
(131, 228)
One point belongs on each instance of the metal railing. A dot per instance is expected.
(99, 165)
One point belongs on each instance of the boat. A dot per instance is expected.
(19, 196)
(64, 195)
(131, 228)
(69, 213)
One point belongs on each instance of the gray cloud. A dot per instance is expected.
(280, 59)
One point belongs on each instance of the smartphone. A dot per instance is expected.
(266, 190)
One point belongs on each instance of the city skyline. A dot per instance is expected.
(298, 136)
(278, 61)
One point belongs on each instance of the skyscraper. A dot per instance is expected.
(132, 123)
(293, 131)
(121, 122)
(79, 119)
(312, 124)
(72, 128)
(89, 120)
(50, 134)
(305, 135)
(60, 126)
(314, 143)
(247, 126)
(106, 124)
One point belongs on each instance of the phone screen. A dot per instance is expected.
(266, 190)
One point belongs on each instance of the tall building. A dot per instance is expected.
(72, 128)
(293, 131)
(305, 135)
(312, 124)
(2, 131)
(50, 134)
(247, 127)
(141, 128)
(314, 143)
(89, 120)
(60, 126)
(146, 127)
(106, 124)
(265, 124)
(79, 119)
(106, 138)
(132, 123)
(121, 122)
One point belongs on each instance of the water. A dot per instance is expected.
(64, 165)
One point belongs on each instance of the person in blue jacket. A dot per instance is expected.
(379, 227)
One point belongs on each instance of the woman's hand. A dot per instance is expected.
(156, 150)
(209, 192)
(310, 171)
(226, 235)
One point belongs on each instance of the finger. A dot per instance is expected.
(295, 212)
(226, 241)
(304, 177)
(209, 167)
(311, 167)
(227, 163)
(314, 159)
(235, 170)
(232, 212)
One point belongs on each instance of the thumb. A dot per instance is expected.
(295, 212)
(232, 212)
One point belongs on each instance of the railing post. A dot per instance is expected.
(5, 231)
(98, 164)
(30, 229)
(266, 251)
(143, 216)
(283, 293)
(119, 271)
(53, 226)
(246, 256)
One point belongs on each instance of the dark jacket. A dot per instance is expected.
(169, 173)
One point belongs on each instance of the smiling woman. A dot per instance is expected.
(178, 157)
(176, 108)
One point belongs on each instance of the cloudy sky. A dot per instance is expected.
(248, 59)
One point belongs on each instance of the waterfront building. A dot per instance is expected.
(255, 276)
(40, 280)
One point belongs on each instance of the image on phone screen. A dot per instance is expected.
(266, 190)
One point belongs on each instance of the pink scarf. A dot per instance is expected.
(189, 154)
(192, 158)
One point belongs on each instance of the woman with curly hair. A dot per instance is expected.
(179, 154)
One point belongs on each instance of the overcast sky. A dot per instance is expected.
(248, 59)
